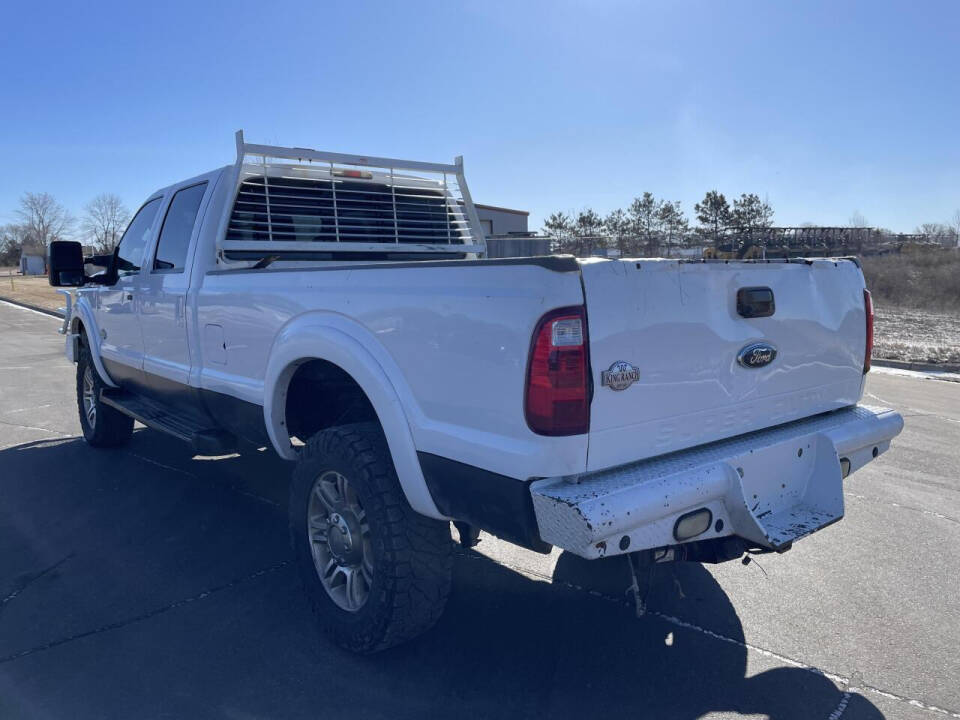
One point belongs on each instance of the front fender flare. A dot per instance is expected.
(316, 338)
(82, 313)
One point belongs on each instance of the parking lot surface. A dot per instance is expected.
(144, 582)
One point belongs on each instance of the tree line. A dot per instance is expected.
(651, 227)
(41, 219)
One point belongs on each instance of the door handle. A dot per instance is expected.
(179, 311)
(128, 296)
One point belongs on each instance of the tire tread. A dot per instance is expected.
(112, 428)
(418, 550)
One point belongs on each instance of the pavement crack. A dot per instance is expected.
(933, 415)
(25, 409)
(146, 615)
(847, 688)
(162, 465)
(914, 412)
(912, 702)
(892, 503)
(31, 578)
(34, 427)
(254, 496)
(231, 487)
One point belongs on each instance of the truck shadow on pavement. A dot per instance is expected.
(142, 582)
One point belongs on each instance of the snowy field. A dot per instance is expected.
(917, 335)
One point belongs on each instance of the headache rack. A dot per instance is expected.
(303, 204)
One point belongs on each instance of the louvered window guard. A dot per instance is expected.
(299, 202)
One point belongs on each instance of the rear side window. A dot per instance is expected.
(134, 241)
(177, 228)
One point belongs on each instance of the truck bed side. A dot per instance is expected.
(452, 337)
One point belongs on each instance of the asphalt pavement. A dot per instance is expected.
(144, 582)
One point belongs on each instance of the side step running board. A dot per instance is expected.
(205, 440)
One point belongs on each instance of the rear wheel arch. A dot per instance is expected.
(320, 395)
(315, 349)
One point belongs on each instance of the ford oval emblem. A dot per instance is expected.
(756, 355)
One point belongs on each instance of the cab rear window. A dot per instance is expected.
(313, 210)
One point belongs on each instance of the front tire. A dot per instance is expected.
(102, 425)
(376, 573)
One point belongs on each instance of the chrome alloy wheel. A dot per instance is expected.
(89, 397)
(339, 538)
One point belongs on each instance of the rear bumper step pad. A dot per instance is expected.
(770, 487)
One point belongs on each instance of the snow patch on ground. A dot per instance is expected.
(919, 374)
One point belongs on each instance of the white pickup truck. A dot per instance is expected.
(338, 309)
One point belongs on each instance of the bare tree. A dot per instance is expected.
(857, 220)
(11, 241)
(940, 233)
(44, 219)
(104, 220)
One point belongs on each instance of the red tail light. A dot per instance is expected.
(868, 309)
(557, 400)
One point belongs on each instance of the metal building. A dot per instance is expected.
(502, 221)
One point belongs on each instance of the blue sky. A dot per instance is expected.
(826, 108)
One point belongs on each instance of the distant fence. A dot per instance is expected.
(504, 246)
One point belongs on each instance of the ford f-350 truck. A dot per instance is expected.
(339, 309)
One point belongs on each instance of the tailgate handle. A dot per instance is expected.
(754, 302)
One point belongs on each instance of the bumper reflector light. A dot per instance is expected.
(692, 524)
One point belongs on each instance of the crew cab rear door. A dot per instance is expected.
(685, 353)
(163, 307)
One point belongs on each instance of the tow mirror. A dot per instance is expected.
(65, 263)
(100, 261)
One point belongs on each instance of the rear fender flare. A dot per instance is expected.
(350, 347)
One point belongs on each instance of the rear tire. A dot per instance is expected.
(376, 573)
(102, 425)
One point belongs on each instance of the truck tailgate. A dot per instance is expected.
(669, 334)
